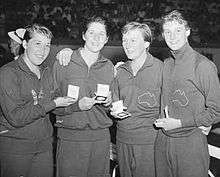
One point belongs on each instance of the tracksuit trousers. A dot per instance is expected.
(185, 156)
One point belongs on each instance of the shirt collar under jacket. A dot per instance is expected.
(24, 67)
(183, 53)
(148, 62)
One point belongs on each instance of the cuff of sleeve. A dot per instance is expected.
(49, 106)
(106, 108)
(74, 107)
(188, 122)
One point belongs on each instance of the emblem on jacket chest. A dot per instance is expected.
(180, 97)
(36, 96)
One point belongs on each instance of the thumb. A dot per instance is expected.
(125, 108)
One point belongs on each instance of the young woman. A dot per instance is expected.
(84, 139)
(26, 97)
(138, 83)
(190, 98)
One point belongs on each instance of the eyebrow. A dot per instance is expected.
(37, 40)
(102, 31)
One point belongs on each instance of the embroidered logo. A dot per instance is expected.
(41, 94)
(147, 98)
(34, 95)
(180, 97)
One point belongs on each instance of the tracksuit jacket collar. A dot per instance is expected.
(148, 62)
(182, 54)
(76, 57)
(23, 66)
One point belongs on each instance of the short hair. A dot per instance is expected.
(144, 29)
(95, 19)
(176, 16)
(37, 28)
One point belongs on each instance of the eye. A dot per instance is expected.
(166, 32)
(91, 32)
(133, 40)
(48, 45)
(179, 30)
(124, 40)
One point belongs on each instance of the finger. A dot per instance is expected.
(109, 94)
(125, 108)
(72, 100)
(65, 59)
(93, 98)
(113, 114)
(166, 111)
(159, 124)
(60, 58)
(98, 102)
(108, 100)
(111, 110)
(57, 55)
(160, 120)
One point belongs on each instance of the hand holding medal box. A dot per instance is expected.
(117, 110)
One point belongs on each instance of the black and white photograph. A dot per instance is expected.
(109, 88)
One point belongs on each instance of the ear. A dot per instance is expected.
(162, 34)
(83, 36)
(146, 44)
(106, 40)
(187, 32)
(24, 44)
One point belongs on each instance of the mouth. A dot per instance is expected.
(129, 51)
(173, 43)
(95, 44)
(40, 56)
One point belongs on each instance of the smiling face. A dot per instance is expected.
(134, 44)
(95, 37)
(37, 48)
(175, 34)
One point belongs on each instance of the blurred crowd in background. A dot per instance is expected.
(64, 17)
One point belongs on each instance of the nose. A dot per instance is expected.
(44, 49)
(97, 37)
(172, 36)
(127, 44)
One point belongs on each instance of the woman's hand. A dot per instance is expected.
(64, 101)
(64, 56)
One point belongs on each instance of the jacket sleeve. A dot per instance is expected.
(115, 90)
(209, 83)
(58, 76)
(115, 85)
(62, 111)
(17, 110)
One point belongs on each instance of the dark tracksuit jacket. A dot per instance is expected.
(25, 101)
(73, 124)
(141, 96)
(192, 92)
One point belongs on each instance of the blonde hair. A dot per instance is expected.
(144, 29)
